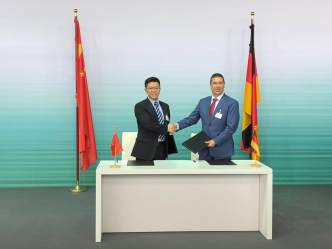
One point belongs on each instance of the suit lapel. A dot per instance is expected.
(163, 107)
(150, 108)
(218, 107)
(207, 108)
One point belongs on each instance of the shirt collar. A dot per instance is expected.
(152, 101)
(219, 97)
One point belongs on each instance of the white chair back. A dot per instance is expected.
(128, 142)
(194, 156)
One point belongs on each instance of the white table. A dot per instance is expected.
(181, 195)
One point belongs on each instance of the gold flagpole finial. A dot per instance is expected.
(75, 12)
(252, 17)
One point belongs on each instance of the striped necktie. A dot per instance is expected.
(161, 137)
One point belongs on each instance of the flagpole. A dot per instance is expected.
(252, 17)
(115, 159)
(77, 188)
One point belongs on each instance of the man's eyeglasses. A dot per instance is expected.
(153, 88)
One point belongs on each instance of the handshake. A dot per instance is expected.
(171, 128)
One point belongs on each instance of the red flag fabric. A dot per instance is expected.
(86, 136)
(116, 146)
(250, 141)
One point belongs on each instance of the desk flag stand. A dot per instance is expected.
(116, 148)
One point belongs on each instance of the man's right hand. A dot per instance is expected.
(171, 128)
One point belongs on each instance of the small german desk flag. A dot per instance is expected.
(250, 141)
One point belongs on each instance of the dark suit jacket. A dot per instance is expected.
(149, 130)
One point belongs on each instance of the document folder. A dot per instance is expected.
(221, 162)
(140, 163)
(197, 142)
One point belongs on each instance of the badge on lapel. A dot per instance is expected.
(218, 114)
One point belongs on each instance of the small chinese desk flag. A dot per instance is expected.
(116, 147)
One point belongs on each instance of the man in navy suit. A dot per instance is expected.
(219, 114)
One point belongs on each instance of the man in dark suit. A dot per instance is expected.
(219, 114)
(153, 141)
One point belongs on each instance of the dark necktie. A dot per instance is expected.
(212, 106)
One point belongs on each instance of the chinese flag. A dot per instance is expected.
(250, 142)
(86, 136)
(116, 146)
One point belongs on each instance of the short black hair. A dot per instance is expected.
(216, 75)
(151, 79)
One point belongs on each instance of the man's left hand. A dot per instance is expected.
(211, 143)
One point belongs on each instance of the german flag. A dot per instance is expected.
(250, 141)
